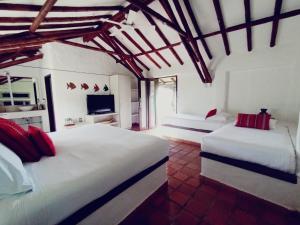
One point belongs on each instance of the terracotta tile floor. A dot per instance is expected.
(189, 199)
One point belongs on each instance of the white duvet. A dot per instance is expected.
(271, 148)
(90, 161)
(193, 121)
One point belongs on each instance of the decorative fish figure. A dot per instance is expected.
(105, 88)
(84, 86)
(96, 88)
(71, 85)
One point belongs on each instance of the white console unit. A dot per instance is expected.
(107, 118)
(120, 87)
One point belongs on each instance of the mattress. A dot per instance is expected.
(271, 148)
(91, 160)
(192, 121)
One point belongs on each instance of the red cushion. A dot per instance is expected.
(42, 141)
(263, 121)
(17, 139)
(246, 120)
(211, 113)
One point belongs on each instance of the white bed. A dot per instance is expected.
(195, 122)
(273, 149)
(90, 161)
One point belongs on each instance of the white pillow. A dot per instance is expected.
(273, 123)
(13, 176)
(220, 117)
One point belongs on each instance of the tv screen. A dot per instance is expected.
(99, 104)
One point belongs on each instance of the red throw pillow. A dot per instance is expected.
(246, 120)
(211, 113)
(17, 139)
(263, 121)
(42, 141)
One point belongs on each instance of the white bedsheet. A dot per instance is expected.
(90, 161)
(271, 148)
(193, 121)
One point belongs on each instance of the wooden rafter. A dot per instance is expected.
(196, 50)
(35, 8)
(277, 9)
(20, 61)
(106, 38)
(194, 43)
(151, 12)
(50, 26)
(222, 25)
(130, 53)
(42, 14)
(197, 28)
(86, 47)
(13, 56)
(52, 19)
(248, 21)
(141, 49)
(163, 37)
(254, 23)
(115, 58)
(160, 49)
(166, 5)
(25, 39)
(152, 47)
(13, 50)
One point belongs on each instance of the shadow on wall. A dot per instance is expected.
(213, 65)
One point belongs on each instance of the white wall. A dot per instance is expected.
(245, 81)
(70, 64)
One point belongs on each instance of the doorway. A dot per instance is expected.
(48, 87)
(166, 97)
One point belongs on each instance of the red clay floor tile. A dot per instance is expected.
(189, 199)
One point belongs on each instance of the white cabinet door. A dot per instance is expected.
(121, 89)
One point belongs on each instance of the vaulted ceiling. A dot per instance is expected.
(164, 33)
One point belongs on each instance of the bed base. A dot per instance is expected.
(273, 190)
(117, 209)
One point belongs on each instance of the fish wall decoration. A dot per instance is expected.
(96, 88)
(71, 85)
(84, 86)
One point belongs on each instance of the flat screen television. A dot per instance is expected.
(100, 104)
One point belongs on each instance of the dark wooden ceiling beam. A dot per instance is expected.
(15, 55)
(52, 19)
(166, 5)
(257, 22)
(141, 49)
(163, 37)
(130, 53)
(104, 49)
(248, 22)
(277, 9)
(20, 61)
(151, 12)
(50, 26)
(86, 47)
(48, 5)
(35, 8)
(25, 39)
(194, 42)
(187, 29)
(150, 45)
(108, 40)
(12, 50)
(197, 28)
(222, 25)
(160, 49)
(115, 58)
